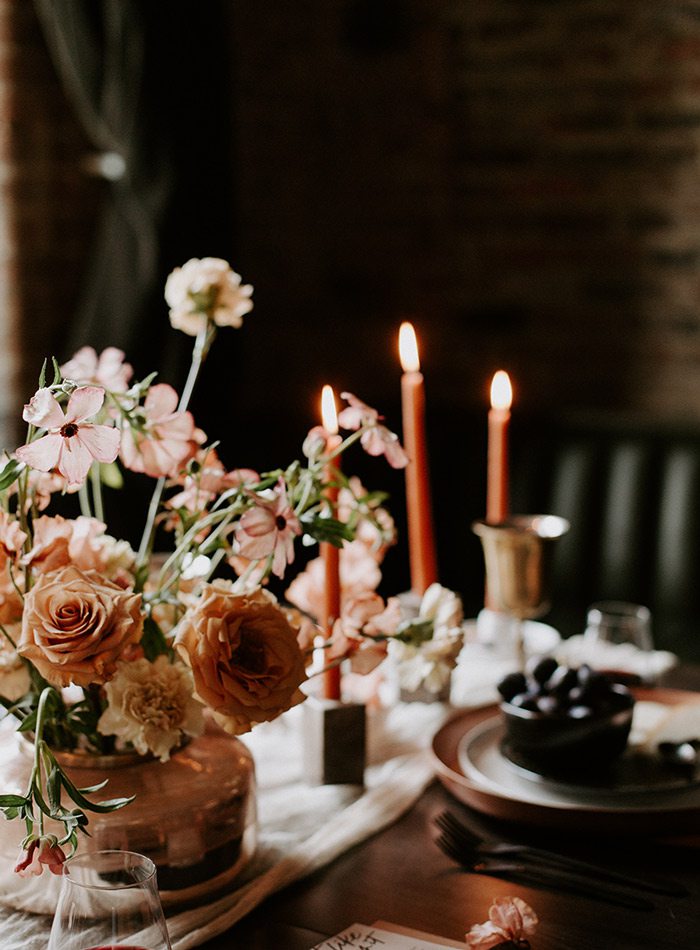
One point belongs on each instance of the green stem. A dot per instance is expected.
(204, 340)
(97, 491)
(36, 775)
(84, 501)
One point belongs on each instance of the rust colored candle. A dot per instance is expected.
(497, 459)
(330, 554)
(421, 540)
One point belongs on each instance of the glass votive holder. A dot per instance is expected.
(615, 624)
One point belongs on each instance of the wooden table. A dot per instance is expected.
(401, 876)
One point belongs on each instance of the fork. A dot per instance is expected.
(465, 841)
(530, 874)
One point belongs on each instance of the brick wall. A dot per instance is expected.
(520, 176)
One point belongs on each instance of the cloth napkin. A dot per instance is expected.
(302, 828)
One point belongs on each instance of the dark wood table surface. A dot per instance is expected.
(400, 875)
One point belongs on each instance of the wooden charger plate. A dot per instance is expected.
(512, 801)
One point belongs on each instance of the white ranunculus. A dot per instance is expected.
(203, 290)
(430, 664)
(151, 706)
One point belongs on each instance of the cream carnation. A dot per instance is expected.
(244, 656)
(151, 706)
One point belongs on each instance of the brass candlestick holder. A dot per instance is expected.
(518, 557)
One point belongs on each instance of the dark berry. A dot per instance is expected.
(511, 685)
(542, 669)
(561, 681)
(580, 712)
(584, 674)
(620, 697)
(548, 705)
(525, 701)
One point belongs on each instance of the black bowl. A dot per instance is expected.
(559, 743)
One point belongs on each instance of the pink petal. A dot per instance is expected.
(42, 454)
(84, 403)
(74, 461)
(257, 522)
(160, 401)
(102, 442)
(43, 410)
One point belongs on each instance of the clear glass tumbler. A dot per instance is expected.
(616, 623)
(109, 900)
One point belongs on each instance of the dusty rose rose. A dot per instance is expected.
(510, 919)
(76, 626)
(244, 656)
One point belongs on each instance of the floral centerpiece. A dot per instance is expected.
(104, 648)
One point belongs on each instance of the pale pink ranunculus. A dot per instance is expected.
(359, 572)
(510, 919)
(378, 533)
(107, 370)
(361, 631)
(39, 853)
(268, 529)
(12, 539)
(164, 441)
(50, 544)
(76, 626)
(71, 444)
(376, 438)
(206, 289)
(244, 655)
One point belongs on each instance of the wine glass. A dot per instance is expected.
(109, 901)
(611, 624)
(518, 556)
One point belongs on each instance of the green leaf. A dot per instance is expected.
(110, 475)
(57, 375)
(12, 801)
(153, 640)
(42, 375)
(10, 473)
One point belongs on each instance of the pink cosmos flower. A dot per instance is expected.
(71, 444)
(167, 439)
(40, 852)
(510, 919)
(107, 370)
(269, 528)
(376, 439)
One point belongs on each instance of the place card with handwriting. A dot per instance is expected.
(364, 937)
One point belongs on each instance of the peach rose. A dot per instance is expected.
(76, 625)
(244, 656)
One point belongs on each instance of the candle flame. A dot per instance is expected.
(501, 391)
(408, 349)
(329, 414)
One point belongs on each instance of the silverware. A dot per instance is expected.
(465, 839)
(558, 879)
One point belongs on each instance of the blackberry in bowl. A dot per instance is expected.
(564, 719)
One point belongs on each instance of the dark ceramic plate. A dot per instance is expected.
(633, 772)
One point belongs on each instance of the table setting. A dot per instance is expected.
(201, 721)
